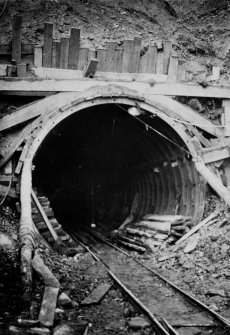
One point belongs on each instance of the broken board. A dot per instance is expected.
(96, 295)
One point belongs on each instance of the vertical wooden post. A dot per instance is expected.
(56, 53)
(17, 39)
(91, 54)
(167, 52)
(64, 53)
(181, 71)
(135, 55)
(37, 56)
(47, 49)
(74, 45)
(101, 56)
(83, 58)
(226, 106)
(127, 54)
(152, 61)
(160, 62)
(110, 55)
(143, 63)
(118, 60)
(173, 67)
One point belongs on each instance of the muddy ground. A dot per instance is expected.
(204, 272)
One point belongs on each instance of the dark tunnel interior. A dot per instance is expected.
(94, 163)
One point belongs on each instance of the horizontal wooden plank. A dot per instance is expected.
(214, 154)
(42, 72)
(79, 85)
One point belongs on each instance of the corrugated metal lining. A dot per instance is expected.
(160, 172)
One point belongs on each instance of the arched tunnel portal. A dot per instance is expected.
(94, 158)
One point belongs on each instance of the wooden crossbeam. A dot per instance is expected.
(33, 110)
(215, 153)
(33, 87)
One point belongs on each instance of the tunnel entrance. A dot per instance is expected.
(95, 162)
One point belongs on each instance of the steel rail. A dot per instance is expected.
(160, 327)
(177, 288)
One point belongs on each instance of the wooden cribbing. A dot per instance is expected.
(74, 46)
(47, 48)
(64, 55)
(16, 39)
(43, 215)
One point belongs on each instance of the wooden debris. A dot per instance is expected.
(132, 246)
(192, 243)
(96, 295)
(44, 216)
(90, 68)
(166, 257)
(47, 276)
(128, 220)
(163, 227)
(47, 312)
(197, 227)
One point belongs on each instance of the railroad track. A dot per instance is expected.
(167, 306)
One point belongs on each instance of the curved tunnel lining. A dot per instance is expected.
(178, 176)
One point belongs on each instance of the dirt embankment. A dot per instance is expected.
(199, 28)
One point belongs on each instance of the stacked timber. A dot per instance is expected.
(56, 228)
(154, 230)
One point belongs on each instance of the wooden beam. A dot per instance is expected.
(226, 105)
(74, 45)
(83, 58)
(107, 76)
(33, 110)
(17, 39)
(44, 216)
(110, 57)
(5, 190)
(37, 56)
(215, 153)
(171, 89)
(166, 55)
(160, 61)
(56, 54)
(64, 53)
(47, 48)
(173, 69)
(127, 55)
(118, 56)
(152, 62)
(90, 68)
(135, 55)
(101, 56)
